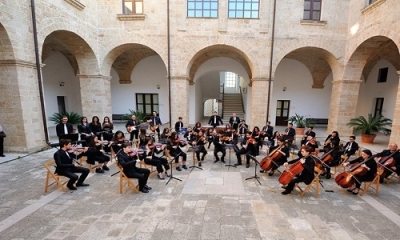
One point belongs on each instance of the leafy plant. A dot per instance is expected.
(370, 125)
(73, 117)
(139, 115)
(299, 121)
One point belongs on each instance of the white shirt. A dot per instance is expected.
(1, 128)
(65, 129)
(215, 119)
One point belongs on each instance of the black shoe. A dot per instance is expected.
(178, 169)
(284, 187)
(262, 171)
(2, 155)
(143, 190)
(72, 188)
(223, 161)
(247, 165)
(82, 185)
(147, 187)
(184, 167)
(199, 164)
(286, 192)
(328, 176)
(271, 173)
(99, 170)
(216, 161)
(166, 174)
(162, 178)
(355, 191)
(105, 168)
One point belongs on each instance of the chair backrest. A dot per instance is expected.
(50, 163)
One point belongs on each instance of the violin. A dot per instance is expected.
(251, 141)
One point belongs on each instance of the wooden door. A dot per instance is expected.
(282, 112)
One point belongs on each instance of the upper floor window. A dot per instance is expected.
(243, 8)
(202, 8)
(132, 6)
(230, 79)
(382, 75)
(312, 10)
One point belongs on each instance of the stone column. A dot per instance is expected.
(395, 135)
(259, 99)
(21, 113)
(343, 105)
(179, 99)
(95, 95)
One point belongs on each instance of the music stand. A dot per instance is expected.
(170, 176)
(194, 148)
(255, 169)
(71, 136)
(229, 146)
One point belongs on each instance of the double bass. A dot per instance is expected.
(346, 180)
(386, 162)
(290, 173)
(267, 162)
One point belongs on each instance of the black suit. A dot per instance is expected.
(135, 133)
(352, 150)
(215, 121)
(155, 120)
(234, 122)
(131, 171)
(269, 130)
(60, 130)
(306, 176)
(290, 133)
(178, 126)
(65, 167)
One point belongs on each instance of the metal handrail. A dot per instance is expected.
(223, 100)
(241, 98)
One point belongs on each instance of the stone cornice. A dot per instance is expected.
(313, 22)
(16, 62)
(131, 17)
(372, 6)
(346, 81)
(78, 5)
(185, 78)
(125, 81)
(94, 76)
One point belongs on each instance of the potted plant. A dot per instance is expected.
(73, 118)
(367, 127)
(139, 115)
(300, 122)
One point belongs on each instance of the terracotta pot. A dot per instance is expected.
(368, 138)
(300, 131)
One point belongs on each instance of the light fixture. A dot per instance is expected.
(244, 90)
(62, 84)
(158, 86)
(284, 88)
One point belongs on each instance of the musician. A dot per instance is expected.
(256, 134)
(95, 126)
(215, 120)
(117, 141)
(336, 156)
(268, 129)
(128, 164)
(392, 150)
(144, 138)
(165, 135)
(190, 136)
(178, 125)
(174, 146)
(289, 133)
(210, 136)
(310, 142)
(133, 124)
(275, 138)
(155, 122)
(243, 128)
(66, 167)
(198, 144)
(107, 127)
(249, 145)
(309, 132)
(152, 159)
(283, 149)
(307, 175)
(369, 164)
(334, 136)
(84, 130)
(234, 121)
(197, 127)
(95, 154)
(2, 136)
(64, 128)
(219, 146)
(350, 147)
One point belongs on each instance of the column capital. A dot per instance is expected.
(347, 81)
(180, 78)
(18, 62)
(398, 73)
(94, 76)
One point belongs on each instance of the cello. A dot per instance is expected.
(346, 180)
(266, 162)
(290, 173)
(327, 157)
(386, 163)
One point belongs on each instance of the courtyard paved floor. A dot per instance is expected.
(214, 203)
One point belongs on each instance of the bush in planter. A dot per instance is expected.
(73, 117)
(370, 125)
(299, 121)
(139, 115)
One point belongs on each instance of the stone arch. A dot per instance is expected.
(125, 57)
(215, 51)
(6, 47)
(319, 61)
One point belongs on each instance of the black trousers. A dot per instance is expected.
(201, 149)
(277, 164)
(70, 173)
(158, 163)
(175, 154)
(1, 146)
(238, 155)
(365, 178)
(293, 182)
(142, 174)
(134, 135)
(222, 150)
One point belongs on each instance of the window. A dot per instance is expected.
(147, 103)
(243, 8)
(230, 79)
(312, 10)
(378, 107)
(372, 1)
(382, 76)
(202, 8)
(132, 6)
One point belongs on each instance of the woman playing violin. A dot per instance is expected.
(152, 158)
(256, 134)
(117, 141)
(199, 147)
(84, 130)
(197, 127)
(210, 136)
(283, 149)
(307, 175)
(174, 146)
(94, 154)
(248, 148)
(190, 136)
(369, 170)
(166, 133)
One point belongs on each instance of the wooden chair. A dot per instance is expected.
(148, 166)
(91, 167)
(368, 185)
(393, 175)
(124, 180)
(313, 185)
(58, 179)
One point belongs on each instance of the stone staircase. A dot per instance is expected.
(232, 104)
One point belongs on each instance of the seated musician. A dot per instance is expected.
(308, 133)
(166, 133)
(197, 127)
(275, 138)
(198, 144)
(336, 156)
(117, 141)
(243, 128)
(190, 136)
(384, 163)
(95, 126)
(153, 159)
(284, 153)
(307, 175)
(133, 126)
(219, 146)
(249, 146)
(64, 128)
(128, 164)
(94, 154)
(84, 131)
(371, 167)
(66, 166)
(256, 134)
(350, 147)
(334, 136)
(143, 138)
(310, 141)
(174, 146)
(210, 136)
(178, 125)
(289, 133)
(107, 127)
(269, 130)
